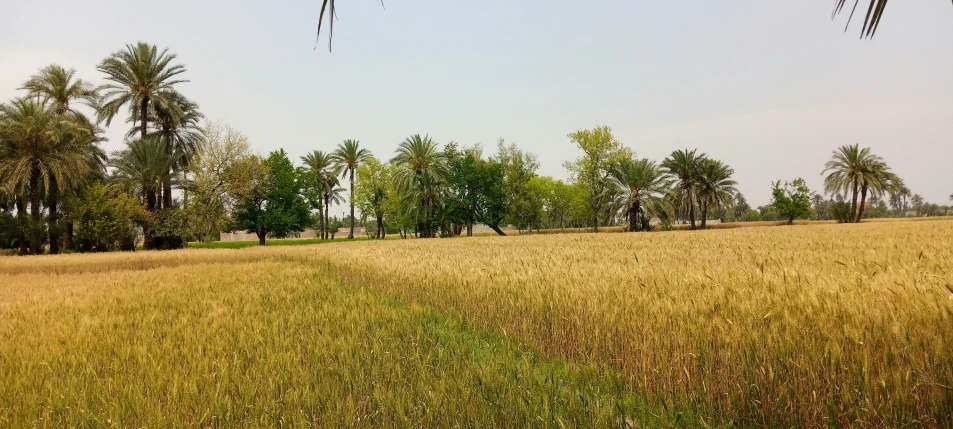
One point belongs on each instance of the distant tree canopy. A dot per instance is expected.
(274, 204)
(792, 200)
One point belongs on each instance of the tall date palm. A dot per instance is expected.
(60, 89)
(642, 185)
(716, 188)
(139, 76)
(347, 157)
(42, 148)
(685, 166)
(421, 169)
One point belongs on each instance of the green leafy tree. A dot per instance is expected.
(105, 218)
(219, 172)
(370, 192)
(557, 201)
(275, 205)
(791, 201)
(523, 203)
(348, 157)
(601, 151)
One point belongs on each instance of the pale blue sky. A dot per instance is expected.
(770, 87)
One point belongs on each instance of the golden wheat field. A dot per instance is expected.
(800, 326)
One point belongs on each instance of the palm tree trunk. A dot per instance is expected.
(22, 220)
(350, 235)
(863, 199)
(853, 204)
(53, 219)
(36, 211)
(327, 225)
(634, 216)
(704, 206)
(144, 117)
(68, 240)
(691, 211)
(321, 227)
(147, 239)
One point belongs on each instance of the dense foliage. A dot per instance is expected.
(190, 179)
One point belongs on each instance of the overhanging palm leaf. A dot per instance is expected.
(875, 11)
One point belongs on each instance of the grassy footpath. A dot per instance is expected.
(228, 342)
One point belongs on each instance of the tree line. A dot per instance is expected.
(181, 178)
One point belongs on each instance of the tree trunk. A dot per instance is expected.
(147, 238)
(860, 208)
(634, 216)
(68, 241)
(350, 235)
(22, 220)
(470, 229)
(320, 232)
(167, 181)
(261, 237)
(704, 215)
(381, 231)
(497, 229)
(853, 204)
(143, 117)
(36, 212)
(327, 221)
(53, 218)
(691, 212)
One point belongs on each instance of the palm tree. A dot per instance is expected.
(42, 148)
(685, 166)
(347, 157)
(876, 178)
(140, 76)
(421, 169)
(60, 90)
(716, 188)
(332, 195)
(917, 201)
(177, 122)
(844, 172)
(141, 169)
(643, 185)
(320, 165)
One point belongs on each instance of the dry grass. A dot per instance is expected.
(826, 325)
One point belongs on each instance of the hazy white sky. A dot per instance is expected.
(769, 87)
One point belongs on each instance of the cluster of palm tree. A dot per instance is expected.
(325, 169)
(856, 171)
(166, 126)
(686, 185)
(49, 148)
